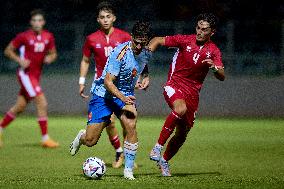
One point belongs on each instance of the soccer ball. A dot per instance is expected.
(94, 167)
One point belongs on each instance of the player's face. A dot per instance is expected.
(203, 31)
(138, 43)
(37, 22)
(106, 19)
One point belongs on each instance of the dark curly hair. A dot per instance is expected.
(37, 12)
(105, 6)
(208, 17)
(142, 29)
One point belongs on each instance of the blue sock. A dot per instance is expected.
(130, 154)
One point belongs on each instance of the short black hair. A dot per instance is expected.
(105, 6)
(37, 12)
(208, 17)
(142, 29)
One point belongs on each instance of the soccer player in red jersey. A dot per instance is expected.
(36, 47)
(100, 44)
(196, 55)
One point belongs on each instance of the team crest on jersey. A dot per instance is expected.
(98, 46)
(31, 42)
(134, 72)
(188, 48)
(208, 55)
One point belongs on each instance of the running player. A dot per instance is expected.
(113, 92)
(100, 44)
(196, 55)
(36, 47)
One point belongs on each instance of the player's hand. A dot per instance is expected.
(209, 62)
(24, 63)
(144, 84)
(48, 59)
(81, 92)
(129, 100)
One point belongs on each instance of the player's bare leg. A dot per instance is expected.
(19, 107)
(114, 139)
(128, 121)
(41, 104)
(88, 137)
(174, 118)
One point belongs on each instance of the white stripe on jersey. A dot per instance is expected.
(25, 80)
(22, 52)
(174, 63)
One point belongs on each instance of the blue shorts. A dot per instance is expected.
(101, 109)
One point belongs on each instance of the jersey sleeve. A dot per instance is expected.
(18, 41)
(51, 44)
(87, 49)
(144, 58)
(217, 58)
(174, 41)
(113, 64)
(127, 36)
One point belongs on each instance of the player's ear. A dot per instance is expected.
(114, 18)
(98, 20)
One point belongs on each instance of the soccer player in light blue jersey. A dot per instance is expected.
(113, 92)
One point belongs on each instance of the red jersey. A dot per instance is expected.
(34, 47)
(187, 71)
(101, 46)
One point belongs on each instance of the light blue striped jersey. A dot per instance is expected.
(126, 66)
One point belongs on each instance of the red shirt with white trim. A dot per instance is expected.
(34, 47)
(101, 45)
(187, 70)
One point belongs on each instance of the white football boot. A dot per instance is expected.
(128, 174)
(75, 145)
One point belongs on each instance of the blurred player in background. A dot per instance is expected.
(113, 92)
(100, 44)
(196, 55)
(36, 47)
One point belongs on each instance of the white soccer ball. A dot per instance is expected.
(94, 167)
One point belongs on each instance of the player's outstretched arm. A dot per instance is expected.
(219, 72)
(84, 68)
(155, 43)
(110, 87)
(10, 52)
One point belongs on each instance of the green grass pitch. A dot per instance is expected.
(218, 153)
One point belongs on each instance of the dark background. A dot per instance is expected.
(257, 27)
(250, 35)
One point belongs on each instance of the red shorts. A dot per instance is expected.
(30, 86)
(172, 94)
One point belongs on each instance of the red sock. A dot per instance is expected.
(42, 121)
(173, 146)
(8, 118)
(115, 142)
(169, 127)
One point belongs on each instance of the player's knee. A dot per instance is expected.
(90, 142)
(180, 109)
(17, 109)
